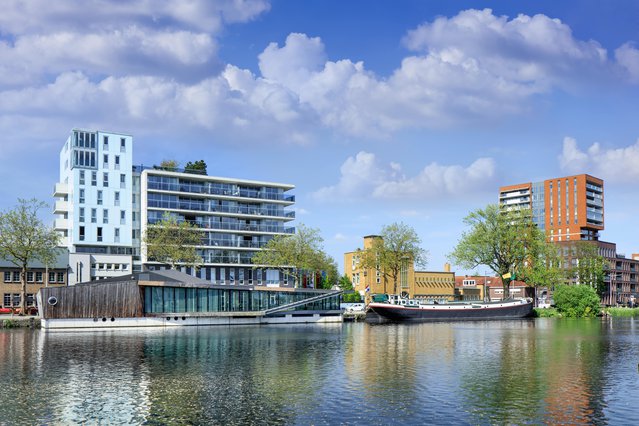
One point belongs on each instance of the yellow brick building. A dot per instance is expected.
(426, 285)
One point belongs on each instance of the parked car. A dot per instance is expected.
(356, 307)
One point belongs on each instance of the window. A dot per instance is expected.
(99, 198)
(81, 217)
(105, 179)
(116, 199)
(133, 217)
(117, 235)
(99, 233)
(94, 215)
(51, 277)
(94, 178)
(7, 300)
(82, 233)
(38, 277)
(122, 180)
(105, 143)
(117, 162)
(16, 277)
(81, 177)
(60, 277)
(122, 144)
(30, 277)
(81, 196)
(122, 217)
(105, 216)
(7, 277)
(105, 162)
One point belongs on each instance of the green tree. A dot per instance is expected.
(297, 255)
(345, 283)
(173, 242)
(576, 301)
(545, 270)
(197, 167)
(505, 241)
(398, 245)
(24, 238)
(168, 165)
(587, 266)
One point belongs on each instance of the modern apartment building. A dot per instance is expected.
(94, 204)
(235, 217)
(568, 208)
(104, 204)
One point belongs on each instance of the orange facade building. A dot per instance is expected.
(568, 208)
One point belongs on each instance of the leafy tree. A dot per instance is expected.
(297, 255)
(397, 245)
(169, 165)
(345, 283)
(589, 268)
(576, 301)
(24, 238)
(198, 167)
(545, 270)
(505, 241)
(173, 242)
(353, 297)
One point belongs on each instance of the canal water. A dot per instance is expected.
(533, 371)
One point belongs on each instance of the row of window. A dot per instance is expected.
(13, 300)
(110, 266)
(100, 197)
(105, 179)
(99, 234)
(105, 144)
(37, 277)
(105, 216)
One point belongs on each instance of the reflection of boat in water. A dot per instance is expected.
(409, 310)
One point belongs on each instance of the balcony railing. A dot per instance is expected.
(209, 189)
(235, 226)
(204, 207)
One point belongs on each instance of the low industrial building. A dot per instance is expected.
(38, 276)
(171, 298)
(424, 285)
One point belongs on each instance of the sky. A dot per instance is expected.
(378, 111)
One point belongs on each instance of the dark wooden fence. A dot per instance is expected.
(123, 299)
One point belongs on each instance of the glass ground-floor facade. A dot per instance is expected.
(159, 300)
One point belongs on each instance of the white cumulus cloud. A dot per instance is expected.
(612, 164)
(363, 176)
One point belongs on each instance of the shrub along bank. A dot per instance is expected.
(576, 301)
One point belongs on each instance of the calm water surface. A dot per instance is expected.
(518, 372)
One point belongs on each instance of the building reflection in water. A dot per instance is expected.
(553, 373)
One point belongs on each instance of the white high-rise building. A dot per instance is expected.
(104, 205)
(94, 204)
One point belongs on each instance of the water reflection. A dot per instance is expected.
(541, 371)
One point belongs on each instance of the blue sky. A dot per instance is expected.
(377, 111)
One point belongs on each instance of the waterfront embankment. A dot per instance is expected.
(16, 321)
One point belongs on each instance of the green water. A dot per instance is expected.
(512, 372)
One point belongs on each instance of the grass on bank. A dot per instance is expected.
(622, 312)
(611, 312)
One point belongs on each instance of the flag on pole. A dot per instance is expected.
(368, 288)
